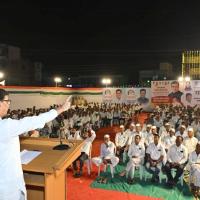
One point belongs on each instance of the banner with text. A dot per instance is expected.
(127, 95)
(185, 93)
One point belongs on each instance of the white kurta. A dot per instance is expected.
(106, 152)
(190, 143)
(138, 151)
(194, 166)
(121, 139)
(11, 176)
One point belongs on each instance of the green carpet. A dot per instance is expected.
(143, 188)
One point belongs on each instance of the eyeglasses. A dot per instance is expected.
(8, 101)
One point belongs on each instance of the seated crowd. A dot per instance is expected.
(166, 144)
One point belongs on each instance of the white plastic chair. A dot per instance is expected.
(89, 161)
(112, 169)
(141, 171)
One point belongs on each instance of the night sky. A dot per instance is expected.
(102, 37)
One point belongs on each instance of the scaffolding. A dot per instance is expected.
(191, 64)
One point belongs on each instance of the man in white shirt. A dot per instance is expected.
(155, 158)
(136, 155)
(194, 163)
(177, 157)
(12, 184)
(73, 134)
(182, 131)
(190, 141)
(107, 153)
(121, 140)
(88, 137)
(170, 139)
(148, 134)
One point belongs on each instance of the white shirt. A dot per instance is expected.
(76, 136)
(11, 176)
(155, 151)
(190, 143)
(177, 154)
(194, 158)
(121, 139)
(148, 137)
(88, 142)
(107, 151)
(183, 135)
(136, 150)
(169, 141)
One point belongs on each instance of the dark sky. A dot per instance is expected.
(102, 37)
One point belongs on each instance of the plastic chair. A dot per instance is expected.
(89, 161)
(141, 171)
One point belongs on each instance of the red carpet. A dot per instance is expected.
(78, 189)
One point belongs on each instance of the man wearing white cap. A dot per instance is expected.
(164, 131)
(107, 153)
(170, 139)
(121, 140)
(194, 163)
(147, 135)
(177, 157)
(190, 141)
(130, 131)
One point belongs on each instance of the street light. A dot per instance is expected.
(181, 78)
(187, 78)
(106, 81)
(1, 75)
(57, 80)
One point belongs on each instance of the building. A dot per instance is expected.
(17, 70)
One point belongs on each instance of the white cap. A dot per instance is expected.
(138, 124)
(132, 124)
(149, 125)
(106, 136)
(153, 127)
(167, 124)
(183, 126)
(172, 129)
(121, 126)
(190, 129)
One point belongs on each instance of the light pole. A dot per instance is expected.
(181, 78)
(57, 80)
(2, 82)
(106, 81)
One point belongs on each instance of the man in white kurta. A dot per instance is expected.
(194, 165)
(12, 186)
(190, 141)
(107, 153)
(88, 137)
(170, 139)
(136, 155)
(121, 140)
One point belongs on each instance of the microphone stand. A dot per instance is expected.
(61, 146)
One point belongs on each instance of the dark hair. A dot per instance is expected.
(118, 90)
(188, 94)
(143, 90)
(3, 93)
(174, 82)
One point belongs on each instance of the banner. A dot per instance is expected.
(127, 95)
(174, 92)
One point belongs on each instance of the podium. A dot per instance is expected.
(45, 176)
